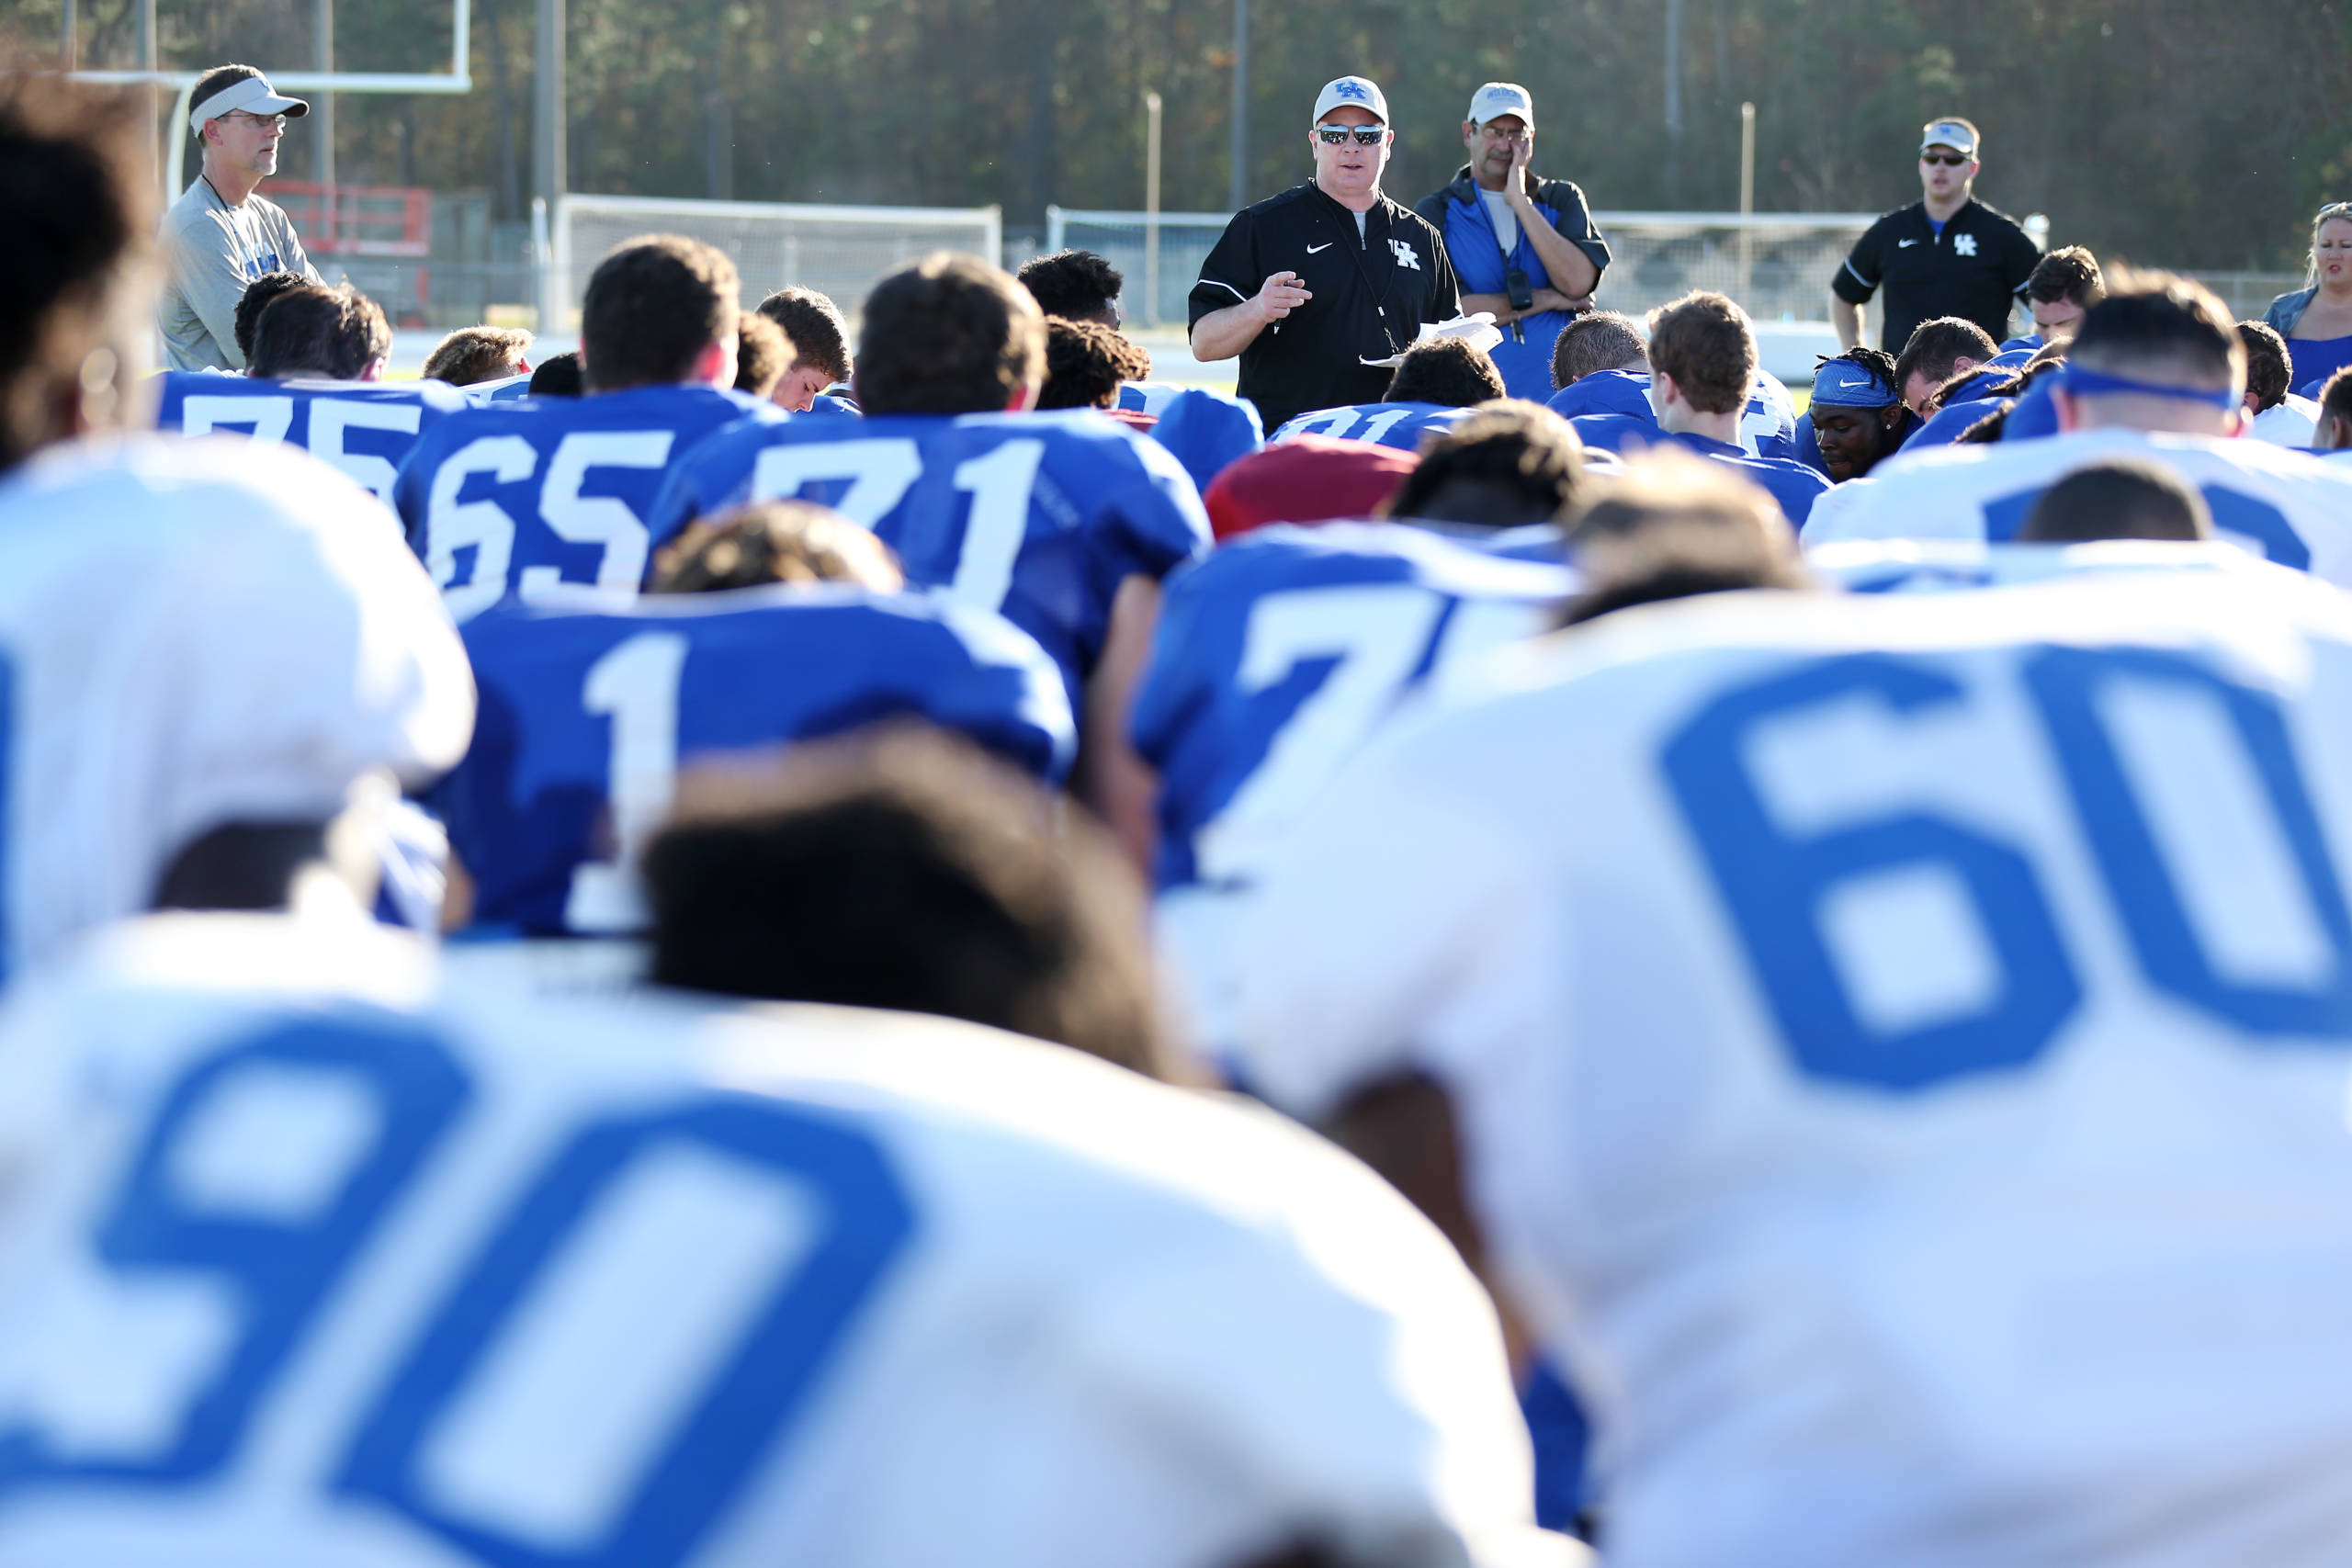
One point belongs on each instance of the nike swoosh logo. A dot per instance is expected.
(1324, 246)
(1905, 244)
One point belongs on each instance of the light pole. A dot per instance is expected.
(1747, 196)
(1240, 191)
(322, 109)
(547, 173)
(1151, 209)
(1673, 100)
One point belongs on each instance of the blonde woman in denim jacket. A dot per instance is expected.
(2316, 320)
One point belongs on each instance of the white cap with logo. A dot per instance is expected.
(1356, 90)
(1497, 100)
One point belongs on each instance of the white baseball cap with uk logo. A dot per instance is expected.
(1357, 91)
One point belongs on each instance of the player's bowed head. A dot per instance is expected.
(949, 334)
(330, 331)
(1510, 464)
(2121, 498)
(903, 868)
(660, 310)
(775, 541)
(2159, 353)
(75, 277)
(1672, 526)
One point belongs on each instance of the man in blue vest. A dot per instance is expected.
(1524, 248)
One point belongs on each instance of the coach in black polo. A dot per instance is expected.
(1948, 255)
(1308, 285)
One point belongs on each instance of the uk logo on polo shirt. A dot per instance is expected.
(1964, 244)
(1406, 255)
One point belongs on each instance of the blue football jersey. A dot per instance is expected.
(1768, 426)
(1277, 660)
(365, 428)
(520, 500)
(1276, 656)
(1794, 485)
(1147, 397)
(1401, 425)
(1949, 423)
(1039, 516)
(1208, 431)
(2034, 414)
(586, 714)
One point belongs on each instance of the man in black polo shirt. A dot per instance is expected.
(1948, 254)
(1308, 285)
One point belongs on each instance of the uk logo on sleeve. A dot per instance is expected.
(1406, 255)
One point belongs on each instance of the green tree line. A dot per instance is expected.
(2188, 133)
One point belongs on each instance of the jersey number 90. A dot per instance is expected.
(182, 1220)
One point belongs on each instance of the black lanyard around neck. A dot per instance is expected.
(1356, 255)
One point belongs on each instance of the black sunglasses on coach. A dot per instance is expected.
(1365, 135)
(1949, 160)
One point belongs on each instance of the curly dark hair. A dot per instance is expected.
(1077, 284)
(2267, 375)
(773, 541)
(762, 354)
(257, 298)
(1446, 371)
(1085, 362)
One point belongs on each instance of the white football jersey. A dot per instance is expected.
(305, 1266)
(1902, 1046)
(1939, 566)
(2288, 507)
(191, 633)
(2288, 423)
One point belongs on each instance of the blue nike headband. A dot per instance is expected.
(2085, 383)
(1843, 384)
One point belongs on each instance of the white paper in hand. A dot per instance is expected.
(1479, 329)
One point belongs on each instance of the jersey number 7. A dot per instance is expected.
(865, 480)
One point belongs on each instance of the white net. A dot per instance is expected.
(1123, 238)
(841, 250)
(1778, 265)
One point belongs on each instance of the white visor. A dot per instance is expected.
(253, 95)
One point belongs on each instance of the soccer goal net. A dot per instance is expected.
(841, 251)
(1778, 265)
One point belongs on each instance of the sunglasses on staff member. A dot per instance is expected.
(1949, 160)
(1365, 135)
